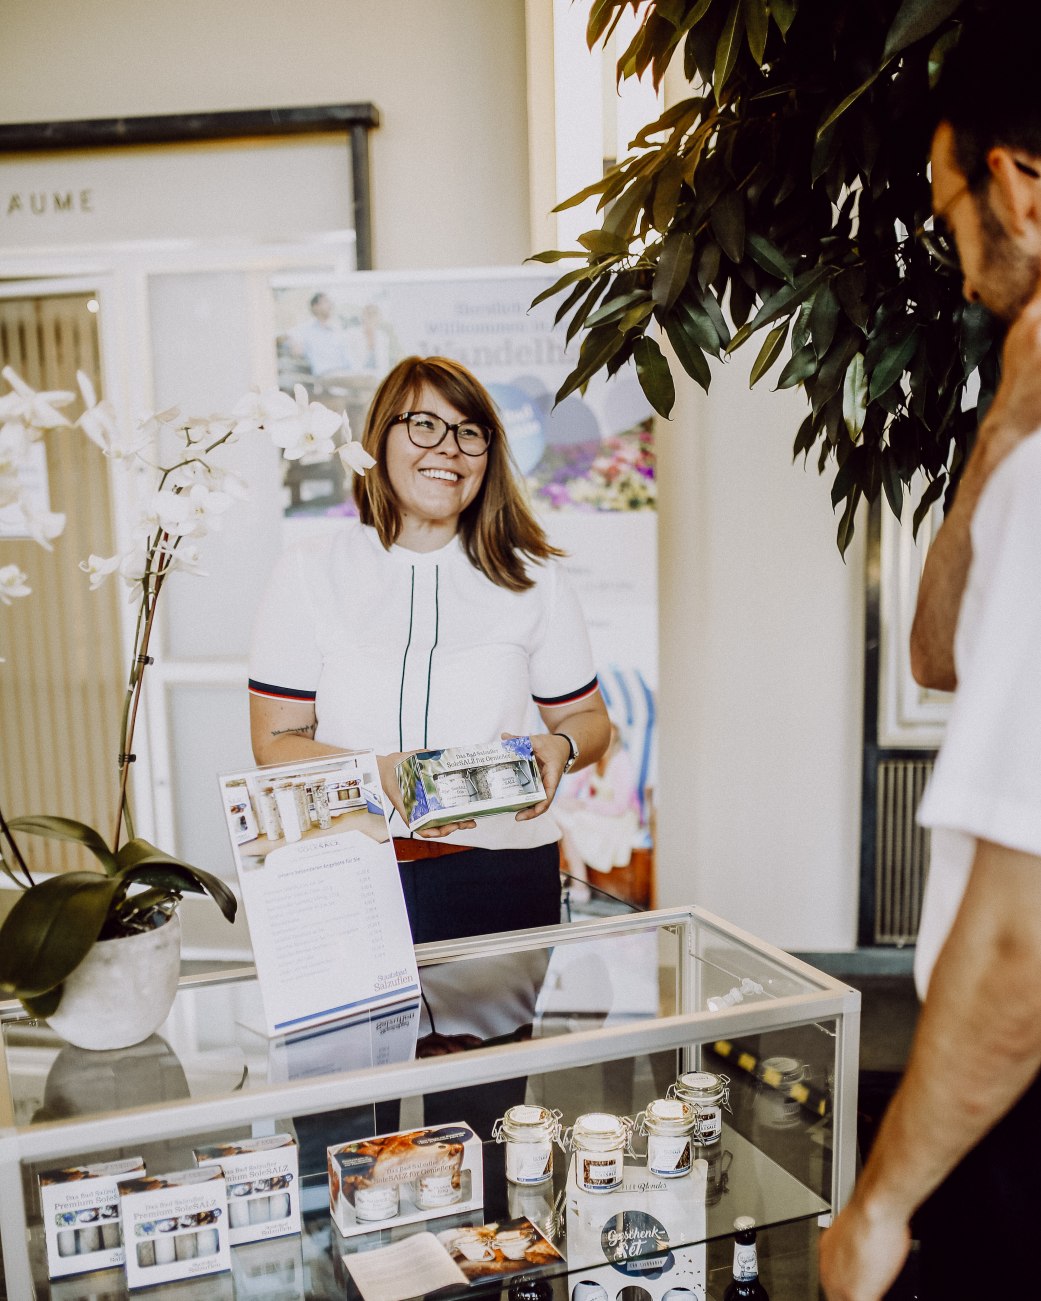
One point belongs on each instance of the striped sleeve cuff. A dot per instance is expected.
(271, 692)
(569, 697)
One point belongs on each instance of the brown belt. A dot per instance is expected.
(410, 849)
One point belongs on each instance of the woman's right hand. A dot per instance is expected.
(389, 781)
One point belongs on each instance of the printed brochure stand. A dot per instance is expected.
(321, 890)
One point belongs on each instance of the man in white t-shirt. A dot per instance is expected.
(960, 1145)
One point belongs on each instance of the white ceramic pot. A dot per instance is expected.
(123, 989)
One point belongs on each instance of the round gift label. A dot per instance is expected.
(637, 1244)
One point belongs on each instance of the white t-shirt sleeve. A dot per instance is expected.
(561, 662)
(285, 660)
(987, 780)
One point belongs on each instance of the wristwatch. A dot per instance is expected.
(573, 757)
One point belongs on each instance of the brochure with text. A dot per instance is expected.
(320, 886)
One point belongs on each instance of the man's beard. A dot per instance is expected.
(1010, 276)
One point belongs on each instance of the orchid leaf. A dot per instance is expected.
(50, 930)
(42, 824)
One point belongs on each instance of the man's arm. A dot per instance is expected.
(1014, 414)
(981, 1024)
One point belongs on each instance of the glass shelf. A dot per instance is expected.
(597, 1015)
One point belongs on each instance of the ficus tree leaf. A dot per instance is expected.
(654, 375)
(769, 352)
(780, 178)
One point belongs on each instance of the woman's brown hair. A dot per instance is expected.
(497, 529)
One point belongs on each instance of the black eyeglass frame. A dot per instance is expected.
(938, 243)
(405, 418)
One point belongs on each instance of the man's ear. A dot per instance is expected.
(1016, 196)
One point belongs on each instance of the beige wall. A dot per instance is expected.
(449, 162)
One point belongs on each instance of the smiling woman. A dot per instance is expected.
(440, 618)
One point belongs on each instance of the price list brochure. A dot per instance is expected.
(320, 886)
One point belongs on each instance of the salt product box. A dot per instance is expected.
(645, 1238)
(262, 1175)
(472, 781)
(402, 1178)
(175, 1225)
(81, 1215)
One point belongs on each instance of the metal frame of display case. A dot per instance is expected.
(686, 1031)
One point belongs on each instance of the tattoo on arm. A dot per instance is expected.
(308, 729)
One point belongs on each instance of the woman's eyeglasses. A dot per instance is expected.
(427, 430)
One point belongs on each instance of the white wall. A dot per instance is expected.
(449, 161)
(761, 671)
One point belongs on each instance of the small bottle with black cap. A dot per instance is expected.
(745, 1285)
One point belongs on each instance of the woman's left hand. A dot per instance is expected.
(552, 753)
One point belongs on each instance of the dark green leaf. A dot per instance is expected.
(769, 257)
(782, 303)
(50, 930)
(585, 307)
(783, 12)
(824, 315)
(42, 824)
(892, 366)
(769, 352)
(667, 188)
(578, 291)
(652, 370)
(615, 308)
(44, 1005)
(603, 242)
(726, 52)
(848, 521)
(620, 218)
(673, 268)
(851, 98)
(929, 498)
(698, 326)
(757, 25)
(686, 347)
(569, 278)
(914, 20)
(800, 365)
(598, 347)
(727, 219)
(141, 862)
(892, 484)
(555, 255)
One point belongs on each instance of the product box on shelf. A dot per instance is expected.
(262, 1175)
(650, 1231)
(469, 781)
(81, 1215)
(402, 1178)
(174, 1225)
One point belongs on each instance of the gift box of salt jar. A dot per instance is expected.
(469, 781)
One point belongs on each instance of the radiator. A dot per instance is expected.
(901, 850)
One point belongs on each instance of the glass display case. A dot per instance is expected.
(594, 1017)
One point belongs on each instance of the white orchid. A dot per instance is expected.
(133, 568)
(98, 568)
(259, 410)
(43, 526)
(151, 427)
(206, 429)
(308, 434)
(185, 556)
(23, 403)
(101, 424)
(190, 513)
(13, 584)
(355, 458)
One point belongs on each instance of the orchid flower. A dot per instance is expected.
(185, 556)
(101, 424)
(43, 526)
(39, 410)
(151, 427)
(354, 457)
(190, 513)
(308, 435)
(259, 410)
(97, 568)
(13, 584)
